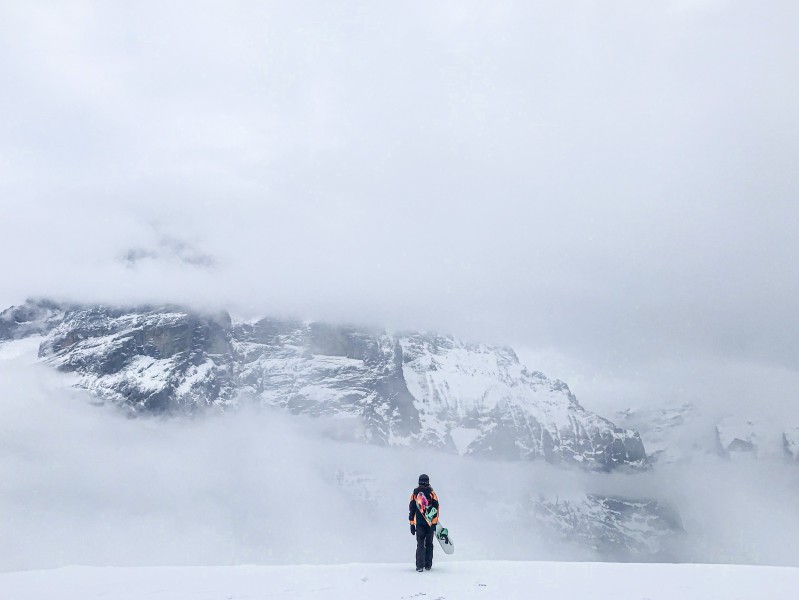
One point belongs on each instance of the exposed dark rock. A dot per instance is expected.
(410, 388)
(790, 444)
(149, 359)
(735, 436)
(35, 317)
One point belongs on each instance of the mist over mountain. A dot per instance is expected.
(341, 412)
(404, 389)
(264, 263)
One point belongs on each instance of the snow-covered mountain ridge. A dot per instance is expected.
(678, 433)
(407, 388)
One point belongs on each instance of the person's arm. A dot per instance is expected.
(434, 502)
(412, 514)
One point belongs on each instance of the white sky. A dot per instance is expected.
(613, 182)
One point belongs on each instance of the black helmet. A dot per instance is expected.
(424, 479)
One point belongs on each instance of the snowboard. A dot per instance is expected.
(443, 537)
(442, 533)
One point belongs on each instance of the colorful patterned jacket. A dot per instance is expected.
(423, 507)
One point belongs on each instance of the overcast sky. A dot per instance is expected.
(613, 182)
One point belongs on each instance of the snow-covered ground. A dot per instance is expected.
(456, 580)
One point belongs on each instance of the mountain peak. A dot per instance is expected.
(406, 389)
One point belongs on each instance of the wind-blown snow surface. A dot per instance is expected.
(457, 581)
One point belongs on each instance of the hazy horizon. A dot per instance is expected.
(88, 485)
(610, 188)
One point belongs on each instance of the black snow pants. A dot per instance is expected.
(424, 545)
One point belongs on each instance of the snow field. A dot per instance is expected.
(447, 580)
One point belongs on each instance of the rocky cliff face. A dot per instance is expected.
(409, 388)
(35, 317)
(616, 528)
(735, 435)
(790, 444)
(672, 434)
(680, 433)
(487, 403)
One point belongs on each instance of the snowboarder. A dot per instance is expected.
(423, 514)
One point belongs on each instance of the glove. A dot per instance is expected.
(413, 529)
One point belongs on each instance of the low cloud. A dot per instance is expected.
(83, 484)
(169, 249)
(616, 184)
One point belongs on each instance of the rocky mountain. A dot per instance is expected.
(790, 444)
(681, 432)
(614, 527)
(405, 388)
(35, 317)
(750, 437)
(736, 435)
(671, 434)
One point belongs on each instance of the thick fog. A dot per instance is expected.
(613, 179)
(84, 484)
(610, 187)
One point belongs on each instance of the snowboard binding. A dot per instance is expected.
(443, 535)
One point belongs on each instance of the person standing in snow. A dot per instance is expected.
(423, 514)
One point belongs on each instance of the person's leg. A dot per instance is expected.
(420, 549)
(428, 557)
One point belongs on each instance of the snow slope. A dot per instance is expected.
(456, 580)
